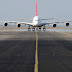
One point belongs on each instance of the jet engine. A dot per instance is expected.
(6, 24)
(18, 25)
(54, 25)
(67, 24)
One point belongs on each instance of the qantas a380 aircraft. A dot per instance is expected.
(36, 22)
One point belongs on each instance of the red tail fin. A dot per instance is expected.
(36, 7)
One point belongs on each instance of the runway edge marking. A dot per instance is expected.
(36, 54)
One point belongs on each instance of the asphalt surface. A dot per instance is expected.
(17, 51)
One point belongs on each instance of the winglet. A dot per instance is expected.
(36, 7)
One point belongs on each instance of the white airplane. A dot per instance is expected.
(36, 22)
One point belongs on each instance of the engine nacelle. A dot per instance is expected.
(18, 25)
(67, 24)
(6, 24)
(54, 25)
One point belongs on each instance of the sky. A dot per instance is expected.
(15, 9)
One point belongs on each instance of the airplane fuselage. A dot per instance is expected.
(36, 21)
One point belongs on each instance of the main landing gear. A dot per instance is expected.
(29, 29)
(44, 29)
(33, 29)
(39, 28)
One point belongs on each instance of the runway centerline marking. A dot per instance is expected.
(36, 54)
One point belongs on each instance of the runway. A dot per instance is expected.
(17, 51)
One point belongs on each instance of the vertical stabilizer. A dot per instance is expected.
(36, 7)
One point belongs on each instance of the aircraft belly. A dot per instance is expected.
(38, 25)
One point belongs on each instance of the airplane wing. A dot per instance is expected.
(26, 23)
(26, 19)
(18, 22)
(9, 21)
(48, 19)
(56, 22)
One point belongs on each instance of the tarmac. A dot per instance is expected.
(17, 51)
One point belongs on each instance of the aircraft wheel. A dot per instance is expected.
(33, 29)
(44, 29)
(39, 29)
(29, 29)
